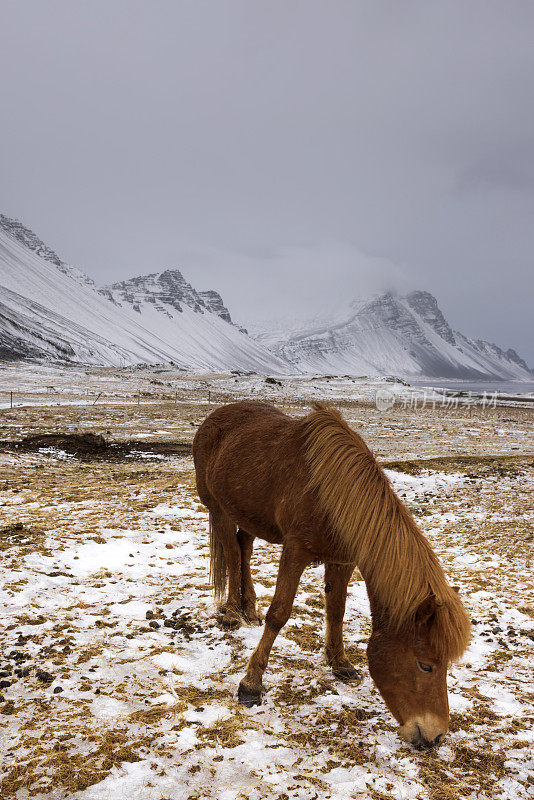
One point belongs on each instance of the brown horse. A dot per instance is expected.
(313, 486)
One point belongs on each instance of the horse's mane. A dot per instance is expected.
(373, 528)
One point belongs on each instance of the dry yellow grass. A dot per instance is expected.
(63, 504)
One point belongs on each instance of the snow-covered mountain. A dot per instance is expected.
(51, 310)
(391, 334)
(16, 230)
(167, 292)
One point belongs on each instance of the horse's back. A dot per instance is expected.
(244, 411)
(246, 455)
(233, 420)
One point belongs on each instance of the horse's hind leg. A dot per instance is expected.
(292, 564)
(225, 536)
(248, 595)
(337, 577)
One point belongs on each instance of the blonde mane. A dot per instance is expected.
(373, 528)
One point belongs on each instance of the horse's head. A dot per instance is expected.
(410, 672)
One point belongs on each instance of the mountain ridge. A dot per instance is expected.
(390, 333)
(168, 287)
(52, 311)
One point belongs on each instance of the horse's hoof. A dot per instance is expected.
(247, 697)
(231, 622)
(253, 619)
(347, 672)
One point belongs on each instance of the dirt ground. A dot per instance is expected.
(115, 677)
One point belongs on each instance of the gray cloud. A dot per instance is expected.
(512, 171)
(289, 146)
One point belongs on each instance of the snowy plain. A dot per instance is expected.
(127, 683)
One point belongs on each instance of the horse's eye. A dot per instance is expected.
(424, 667)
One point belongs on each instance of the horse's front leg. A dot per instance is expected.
(337, 577)
(292, 564)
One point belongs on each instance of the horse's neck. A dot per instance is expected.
(378, 612)
(399, 574)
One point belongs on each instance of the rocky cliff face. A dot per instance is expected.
(20, 233)
(426, 307)
(29, 239)
(214, 303)
(494, 351)
(166, 291)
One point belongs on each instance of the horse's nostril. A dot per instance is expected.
(420, 741)
(425, 744)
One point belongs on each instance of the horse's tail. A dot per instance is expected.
(218, 569)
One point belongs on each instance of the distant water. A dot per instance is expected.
(502, 387)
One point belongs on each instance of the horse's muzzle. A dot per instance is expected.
(422, 743)
(423, 734)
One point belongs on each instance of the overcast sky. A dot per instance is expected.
(290, 154)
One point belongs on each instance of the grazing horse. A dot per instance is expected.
(313, 486)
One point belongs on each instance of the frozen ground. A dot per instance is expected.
(122, 684)
(166, 404)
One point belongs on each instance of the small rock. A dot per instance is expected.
(97, 691)
(17, 656)
(169, 623)
(154, 624)
(43, 676)
(5, 684)
(58, 689)
(149, 615)
(22, 672)
(8, 708)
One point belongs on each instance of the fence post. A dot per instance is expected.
(11, 393)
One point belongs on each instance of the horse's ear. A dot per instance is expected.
(426, 610)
